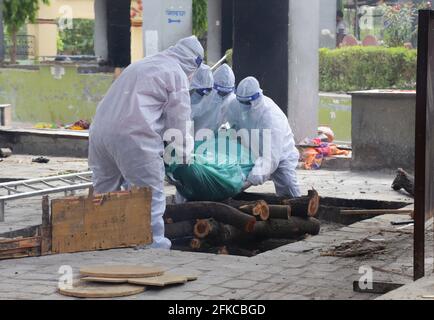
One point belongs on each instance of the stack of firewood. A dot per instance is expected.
(247, 225)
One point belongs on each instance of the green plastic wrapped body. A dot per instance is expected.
(218, 171)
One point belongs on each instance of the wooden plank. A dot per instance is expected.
(161, 281)
(20, 243)
(114, 220)
(121, 271)
(376, 212)
(97, 290)
(377, 287)
(45, 230)
(20, 248)
(105, 280)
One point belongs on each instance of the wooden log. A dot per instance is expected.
(269, 198)
(238, 251)
(207, 228)
(404, 181)
(280, 212)
(218, 234)
(259, 209)
(205, 210)
(196, 244)
(179, 230)
(271, 244)
(307, 206)
(304, 206)
(200, 245)
(293, 228)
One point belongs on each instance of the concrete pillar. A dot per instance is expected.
(327, 23)
(100, 34)
(214, 45)
(2, 39)
(119, 32)
(227, 25)
(277, 42)
(113, 32)
(303, 68)
(165, 22)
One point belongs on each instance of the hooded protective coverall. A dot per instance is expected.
(261, 113)
(211, 111)
(126, 136)
(203, 79)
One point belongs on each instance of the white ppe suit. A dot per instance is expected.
(211, 111)
(280, 162)
(126, 137)
(202, 79)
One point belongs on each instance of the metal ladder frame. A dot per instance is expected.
(75, 181)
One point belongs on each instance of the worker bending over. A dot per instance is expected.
(126, 136)
(252, 110)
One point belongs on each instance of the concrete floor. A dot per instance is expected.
(296, 271)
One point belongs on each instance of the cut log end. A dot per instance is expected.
(223, 251)
(250, 226)
(202, 228)
(195, 244)
(313, 203)
(258, 209)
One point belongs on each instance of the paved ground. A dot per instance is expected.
(419, 290)
(296, 271)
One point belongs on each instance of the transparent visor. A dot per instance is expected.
(249, 99)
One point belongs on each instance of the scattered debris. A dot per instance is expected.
(355, 249)
(404, 181)
(5, 152)
(41, 160)
(79, 125)
(402, 223)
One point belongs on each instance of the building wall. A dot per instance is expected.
(46, 28)
(327, 23)
(383, 130)
(164, 23)
(214, 31)
(52, 93)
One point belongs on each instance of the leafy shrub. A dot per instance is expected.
(364, 68)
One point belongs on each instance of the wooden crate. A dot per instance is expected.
(115, 220)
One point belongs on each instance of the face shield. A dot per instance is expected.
(223, 91)
(249, 99)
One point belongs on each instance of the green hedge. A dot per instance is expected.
(364, 68)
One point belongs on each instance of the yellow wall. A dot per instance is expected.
(81, 9)
(45, 31)
(136, 43)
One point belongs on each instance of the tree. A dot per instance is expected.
(16, 14)
(200, 18)
(79, 40)
(400, 22)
